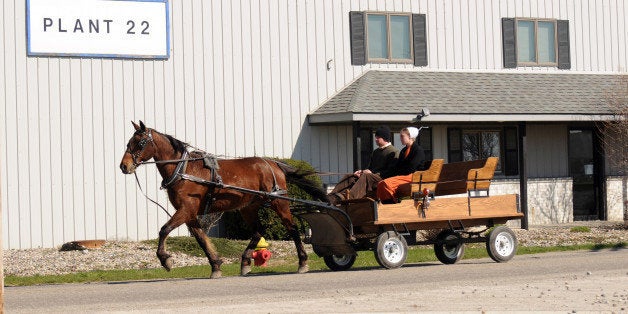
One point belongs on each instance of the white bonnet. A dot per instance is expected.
(414, 132)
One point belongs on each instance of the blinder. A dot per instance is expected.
(148, 137)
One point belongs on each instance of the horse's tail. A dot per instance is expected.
(298, 177)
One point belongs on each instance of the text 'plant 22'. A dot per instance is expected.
(99, 28)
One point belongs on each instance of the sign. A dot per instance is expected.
(98, 28)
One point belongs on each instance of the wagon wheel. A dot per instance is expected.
(391, 250)
(449, 247)
(339, 262)
(501, 244)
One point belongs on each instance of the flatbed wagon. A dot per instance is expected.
(453, 198)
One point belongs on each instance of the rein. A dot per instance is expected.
(148, 198)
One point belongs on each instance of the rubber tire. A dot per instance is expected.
(501, 244)
(339, 262)
(448, 254)
(391, 250)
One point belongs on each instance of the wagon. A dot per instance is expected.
(453, 198)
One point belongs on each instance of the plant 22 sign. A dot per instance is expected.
(98, 28)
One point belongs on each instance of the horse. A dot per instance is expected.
(191, 198)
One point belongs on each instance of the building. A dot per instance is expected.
(311, 80)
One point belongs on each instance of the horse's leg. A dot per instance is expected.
(175, 221)
(282, 208)
(208, 247)
(251, 217)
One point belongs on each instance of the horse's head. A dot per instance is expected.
(141, 147)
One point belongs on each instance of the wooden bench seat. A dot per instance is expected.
(452, 178)
(461, 177)
(426, 179)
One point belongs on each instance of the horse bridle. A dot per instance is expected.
(148, 137)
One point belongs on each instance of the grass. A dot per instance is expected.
(580, 229)
(230, 248)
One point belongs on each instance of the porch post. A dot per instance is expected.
(357, 146)
(523, 176)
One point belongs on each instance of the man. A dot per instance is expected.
(364, 182)
(411, 159)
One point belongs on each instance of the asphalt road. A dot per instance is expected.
(571, 281)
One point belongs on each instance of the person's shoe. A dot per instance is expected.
(390, 201)
(335, 198)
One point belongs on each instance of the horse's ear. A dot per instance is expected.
(142, 126)
(137, 127)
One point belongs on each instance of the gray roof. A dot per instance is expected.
(384, 95)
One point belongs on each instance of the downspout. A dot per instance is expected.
(600, 174)
(523, 176)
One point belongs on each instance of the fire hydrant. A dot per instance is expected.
(261, 255)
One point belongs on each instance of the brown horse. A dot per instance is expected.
(190, 198)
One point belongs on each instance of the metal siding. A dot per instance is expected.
(547, 151)
(240, 81)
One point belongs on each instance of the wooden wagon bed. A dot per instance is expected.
(457, 192)
(497, 207)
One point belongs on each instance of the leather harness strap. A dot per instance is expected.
(176, 175)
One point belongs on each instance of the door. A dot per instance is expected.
(583, 170)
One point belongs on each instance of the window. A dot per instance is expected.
(480, 145)
(473, 144)
(388, 37)
(536, 42)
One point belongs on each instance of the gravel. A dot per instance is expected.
(137, 255)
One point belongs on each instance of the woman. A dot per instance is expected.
(411, 159)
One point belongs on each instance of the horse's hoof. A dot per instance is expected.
(216, 274)
(303, 269)
(245, 270)
(167, 264)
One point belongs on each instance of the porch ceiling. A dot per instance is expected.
(397, 96)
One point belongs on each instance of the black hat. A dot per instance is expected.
(383, 132)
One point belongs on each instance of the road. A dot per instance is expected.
(566, 281)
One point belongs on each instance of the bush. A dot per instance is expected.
(236, 228)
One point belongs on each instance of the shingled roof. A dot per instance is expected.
(464, 96)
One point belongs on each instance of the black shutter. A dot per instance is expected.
(419, 32)
(358, 40)
(564, 60)
(511, 152)
(454, 144)
(509, 43)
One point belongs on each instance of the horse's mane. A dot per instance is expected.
(178, 145)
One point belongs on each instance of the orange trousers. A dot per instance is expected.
(387, 188)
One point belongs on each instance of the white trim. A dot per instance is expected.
(351, 117)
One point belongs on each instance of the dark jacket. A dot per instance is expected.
(415, 160)
(383, 161)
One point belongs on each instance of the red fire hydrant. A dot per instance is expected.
(261, 255)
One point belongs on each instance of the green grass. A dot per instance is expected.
(580, 229)
(365, 259)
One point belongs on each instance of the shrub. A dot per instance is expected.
(236, 228)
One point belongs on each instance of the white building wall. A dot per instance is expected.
(241, 79)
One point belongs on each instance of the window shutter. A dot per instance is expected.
(454, 144)
(509, 43)
(358, 40)
(564, 60)
(511, 152)
(419, 33)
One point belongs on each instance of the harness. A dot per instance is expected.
(209, 161)
(176, 175)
